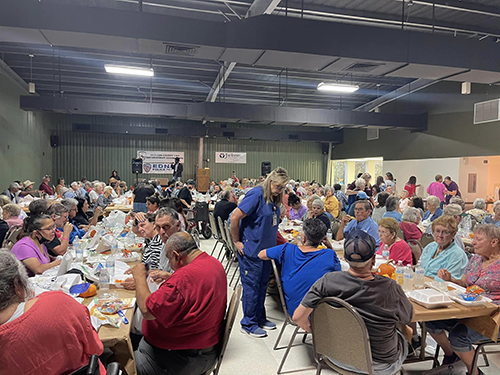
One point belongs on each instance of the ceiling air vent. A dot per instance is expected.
(180, 50)
(364, 67)
(228, 134)
(371, 134)
(161, 131)
(487, 111)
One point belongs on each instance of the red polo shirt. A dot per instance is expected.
(189, 307)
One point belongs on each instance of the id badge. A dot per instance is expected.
(275, 219)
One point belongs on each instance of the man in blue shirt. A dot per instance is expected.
(364, 222)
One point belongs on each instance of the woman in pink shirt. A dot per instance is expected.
(398, 249)
(50, 334)
(11, 214)
(437, 188)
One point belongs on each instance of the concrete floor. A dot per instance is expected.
(245, 354)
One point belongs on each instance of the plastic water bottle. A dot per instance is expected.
(400, 273)
(110, 261)
(104, 280)
(385, 252)
(418, 281)
(285, 222)
(408, 279)
(329, 234)
(77, 246)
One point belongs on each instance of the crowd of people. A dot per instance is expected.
(181, 323)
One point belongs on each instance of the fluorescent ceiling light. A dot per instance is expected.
(337, 87)
(129, 70)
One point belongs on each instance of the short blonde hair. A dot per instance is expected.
(390, 224)
(446, 221)
(13, 209)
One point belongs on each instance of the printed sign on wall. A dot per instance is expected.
(159, 161)
(231, 157)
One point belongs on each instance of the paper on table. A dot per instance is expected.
(111, 319)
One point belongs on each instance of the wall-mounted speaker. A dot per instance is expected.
(54, 141)
(324, 148)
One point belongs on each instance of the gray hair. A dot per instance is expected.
(181, 243)
(459, 201)
(315, 231)
(452, 210)
(479, 203)
(497, 203)
(433, 201)
(391, 203)
(318, 202)
(12, 208)
(359, 183)
(74, 183)
(226, 194)
(107, 188)
(13, 276)
(57, 209)
(365, 203)
(69, 203)
(88, 184)
(490, 230)
(170, 212)
(328, 188)
(411, 214)
(14, 185)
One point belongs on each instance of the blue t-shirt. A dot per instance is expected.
(257, 231)
(436, 214)
(393, 214)
(489, 220)
(367, 226)
(300, 270)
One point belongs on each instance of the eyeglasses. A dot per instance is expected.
(53, 227)
(445, 232)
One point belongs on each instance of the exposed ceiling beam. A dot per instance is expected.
(8, 72)
(257, 8)
(229, 112)
(461, 6)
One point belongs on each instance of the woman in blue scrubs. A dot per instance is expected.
(254, 227)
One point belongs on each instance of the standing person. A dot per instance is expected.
(234, 178)
(44, 186)
(437, 189)
(254, 227)
(114, 175)
(141, 192)
(177, 168)
(451, 189)
(341, 197)
(380, 183)
(411, 186)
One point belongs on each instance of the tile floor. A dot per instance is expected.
(248, 355)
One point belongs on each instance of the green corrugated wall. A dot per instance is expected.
(96, 155)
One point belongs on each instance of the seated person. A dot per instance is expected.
(433, 208)
(360, 196)
(104, 200)
(13, 192)
(39, 207)
(363, 221)
(418, 203)
(4, 228)
(72, 339)
(81, 219)
(478, 212)
(71, 205)
(380, 208)
(390, 208)
(399, 250)
(59, 245)
(482, 270)
(444, 252)
(302, 265)
(493, 219)
(409, 225)
(178, 206)
(11, 214)
(28, 189)
(455, 211)
(404, 201)
(382, 304)
(318, 212)
(182, 320)
(31, 249)
(459, 201)
(224, 207)
(153, 203)
(331, 203)
(297, 209)
(309, 214)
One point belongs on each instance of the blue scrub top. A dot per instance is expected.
(256, 229)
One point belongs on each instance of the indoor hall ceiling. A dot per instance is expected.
(80, 73)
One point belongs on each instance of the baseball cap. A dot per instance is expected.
(359, 246)
(362, 195)
(191, 182)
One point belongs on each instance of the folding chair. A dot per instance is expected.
(231, 246)
(416, 249)
(288, 321)
(11, 237)
(228, 326)
(426, 239)
(224, 239)
(215, 232)
(93, 368)
(339, 333)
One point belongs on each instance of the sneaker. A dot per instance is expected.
(256, 332)
(449, 359)
(268, 325)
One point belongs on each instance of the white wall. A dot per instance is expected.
(424, 169)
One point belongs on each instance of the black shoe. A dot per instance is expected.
(449, 359)
(416, 343)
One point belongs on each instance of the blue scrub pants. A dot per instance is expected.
(254, 278)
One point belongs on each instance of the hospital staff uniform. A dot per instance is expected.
(258, 231)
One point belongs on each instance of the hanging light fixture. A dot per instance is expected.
(129, 70)
(337, 87)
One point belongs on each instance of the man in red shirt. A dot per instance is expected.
(183, 318)
(44, 186)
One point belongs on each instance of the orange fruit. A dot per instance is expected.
(91, 291)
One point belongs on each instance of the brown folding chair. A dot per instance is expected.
(416, 249)
(227, 328)
(11, 237)
(426, 239)
(288, 320)
(339, 333)
(232, 247)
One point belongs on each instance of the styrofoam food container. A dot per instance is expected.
(429, 298)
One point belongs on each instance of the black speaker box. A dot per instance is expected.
(54, 141)
(265, 168)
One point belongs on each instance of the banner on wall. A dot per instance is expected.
(159, 161)
(231, 157)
